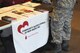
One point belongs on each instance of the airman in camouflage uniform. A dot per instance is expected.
(61, 20)
(61, 17)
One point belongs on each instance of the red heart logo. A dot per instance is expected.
(25, 23)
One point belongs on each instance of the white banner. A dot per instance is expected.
(30, 33)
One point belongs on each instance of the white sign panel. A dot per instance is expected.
(30, 33)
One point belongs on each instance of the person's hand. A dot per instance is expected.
(46, 2)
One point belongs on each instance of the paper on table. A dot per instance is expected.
(2, 23)
(17, 17)
(30, 4)
(7, 9)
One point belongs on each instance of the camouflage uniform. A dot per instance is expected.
(61, 17)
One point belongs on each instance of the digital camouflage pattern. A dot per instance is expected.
(61, 17)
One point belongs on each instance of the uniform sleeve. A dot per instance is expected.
(65, 3)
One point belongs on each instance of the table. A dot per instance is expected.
(33, 35)
(4, 25)
(30, 30)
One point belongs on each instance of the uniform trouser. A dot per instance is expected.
(7, 40)
(61, 20)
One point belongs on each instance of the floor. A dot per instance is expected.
(75, 38)
(75, 41)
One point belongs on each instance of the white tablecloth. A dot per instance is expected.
(30, 33)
